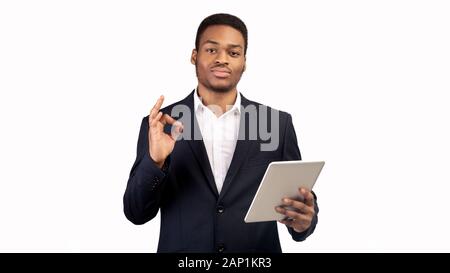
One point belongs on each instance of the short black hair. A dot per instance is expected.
(222, 19)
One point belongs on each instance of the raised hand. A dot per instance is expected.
(160, 143)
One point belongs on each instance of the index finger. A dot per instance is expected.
(170, 120)
(156, 107)
(309, 197)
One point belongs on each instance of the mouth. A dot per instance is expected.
(221, 73)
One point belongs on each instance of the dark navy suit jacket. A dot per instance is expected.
(194, 217)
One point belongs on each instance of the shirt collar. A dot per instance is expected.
(198, 104)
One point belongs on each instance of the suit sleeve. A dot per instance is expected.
(142, 197)
(292, 152)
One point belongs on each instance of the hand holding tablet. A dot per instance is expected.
(283, 179)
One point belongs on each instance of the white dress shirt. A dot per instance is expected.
(220, 135)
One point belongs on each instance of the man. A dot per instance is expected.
(204, 185)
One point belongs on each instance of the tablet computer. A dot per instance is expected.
(281, 179)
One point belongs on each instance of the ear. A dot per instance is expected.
(245, 64)
(194, 56)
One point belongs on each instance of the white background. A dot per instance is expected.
(366, 82)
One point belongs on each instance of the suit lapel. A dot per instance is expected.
(198, 147)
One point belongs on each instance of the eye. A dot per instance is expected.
(234, 54)
(211, 50)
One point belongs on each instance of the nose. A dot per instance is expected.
(222, 57)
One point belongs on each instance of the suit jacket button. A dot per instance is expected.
(221, 248)
(220, 209)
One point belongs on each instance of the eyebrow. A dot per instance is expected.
(216, 43)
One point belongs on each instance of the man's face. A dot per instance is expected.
(220, 59)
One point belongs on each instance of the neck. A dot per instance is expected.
(217, 99)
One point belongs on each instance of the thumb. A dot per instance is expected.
(176, 130)
(308, 197)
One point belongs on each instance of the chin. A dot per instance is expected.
(221, 88)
